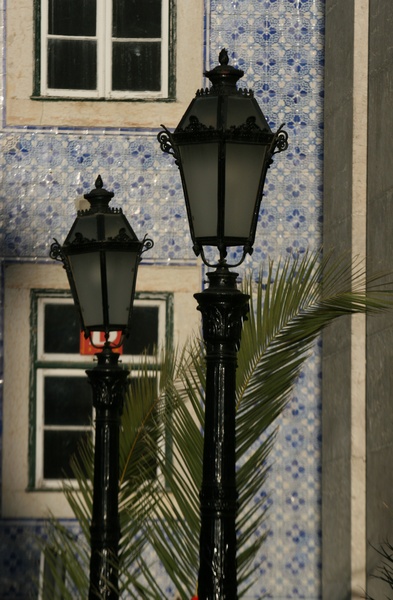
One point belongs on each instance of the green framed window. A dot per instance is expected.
(104, 49)
(61, 411)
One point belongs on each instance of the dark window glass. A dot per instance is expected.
(143, 331)
(136, 66)
(59, 447)
(68, 401)
(61, 329)
(72, 64)
(136, 18)
(72, 17)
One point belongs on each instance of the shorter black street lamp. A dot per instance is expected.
(223, 147)
(101, 255)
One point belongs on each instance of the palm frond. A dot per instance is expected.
(163, 430)
(141, 429)
(289, 308)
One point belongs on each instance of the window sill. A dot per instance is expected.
(61, 113)
(24, 108)
(52, 488)
(116, 100)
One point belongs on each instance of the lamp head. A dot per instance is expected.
(223, 147)
(101, 254)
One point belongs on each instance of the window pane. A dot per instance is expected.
(72, 64)
(67, 401)
(136, 66)
(136, 18)
(143, 331)
(61, 329)
(72, 17)
(59, 447)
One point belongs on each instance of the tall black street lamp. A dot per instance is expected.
(223, 147)
(101, 255)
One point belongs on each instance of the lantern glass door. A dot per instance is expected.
(223, 146)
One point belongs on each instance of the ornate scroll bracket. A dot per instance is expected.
(164, 139)
(147, 244)
(55, 251)
(281, 140)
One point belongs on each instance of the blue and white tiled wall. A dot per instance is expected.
(280, 46)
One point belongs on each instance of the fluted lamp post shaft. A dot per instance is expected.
(223, 309)
(109, 382)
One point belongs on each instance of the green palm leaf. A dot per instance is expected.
(289, 307)
(140, 431)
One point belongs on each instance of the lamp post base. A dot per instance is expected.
(223, 309)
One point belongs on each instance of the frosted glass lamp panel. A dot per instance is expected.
(86, 272)
(243, 171)
(121, 275)
(200, 169)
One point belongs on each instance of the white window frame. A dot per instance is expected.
(52, 484)
(26, 107)
(141, 300)
(41, 374)
(19, 498)
(61, 573)
(73, 365)
(104, 41)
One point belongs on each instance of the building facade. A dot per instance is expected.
(326, 492)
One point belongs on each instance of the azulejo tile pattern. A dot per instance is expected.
(44, 174)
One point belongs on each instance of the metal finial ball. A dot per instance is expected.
(223, 58)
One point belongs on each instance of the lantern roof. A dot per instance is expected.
(100, 223)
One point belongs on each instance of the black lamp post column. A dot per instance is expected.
(109, 382)
(101, 254)
(223, 146)
(223, 309)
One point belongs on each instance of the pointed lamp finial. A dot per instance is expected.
(223, 57)
(224, 77)
(99, 198)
